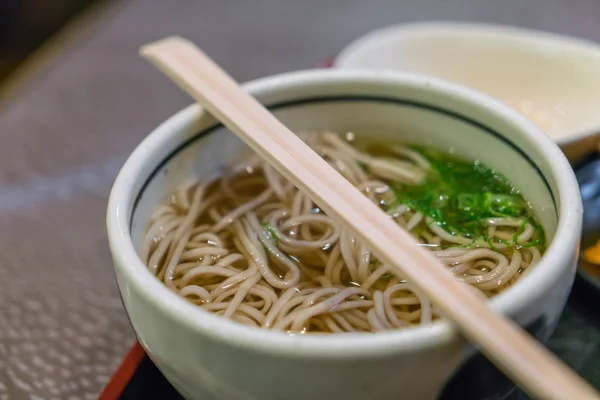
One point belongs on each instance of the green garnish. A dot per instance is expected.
(460, 196)
(271, 233)
(539, 237)
(387, 277)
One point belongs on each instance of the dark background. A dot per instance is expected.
(26, 24)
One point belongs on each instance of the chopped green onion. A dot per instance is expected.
(271, 233)
(460, 196)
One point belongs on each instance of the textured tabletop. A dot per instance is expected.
(65, 133)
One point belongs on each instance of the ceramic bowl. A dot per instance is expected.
(207, 357)
(550, 78)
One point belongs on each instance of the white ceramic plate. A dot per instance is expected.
(554, 80)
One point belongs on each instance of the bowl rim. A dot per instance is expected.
(507, 32)
(155, 293)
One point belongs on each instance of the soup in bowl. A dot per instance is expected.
(239, 287)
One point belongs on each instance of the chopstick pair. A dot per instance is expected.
(522, 358)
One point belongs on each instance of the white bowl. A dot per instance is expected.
(550, 78)
(207, 357)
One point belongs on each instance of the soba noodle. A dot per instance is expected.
(247, 245)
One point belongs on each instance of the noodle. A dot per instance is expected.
(249, 246)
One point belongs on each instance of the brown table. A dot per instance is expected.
(66, 128)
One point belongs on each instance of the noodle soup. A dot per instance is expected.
(245, 244)
(264, 264)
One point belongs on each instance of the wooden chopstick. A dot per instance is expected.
(525, 360)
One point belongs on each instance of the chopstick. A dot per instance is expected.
(526, 361)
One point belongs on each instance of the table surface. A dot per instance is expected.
(67, 130)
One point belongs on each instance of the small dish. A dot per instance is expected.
(550, 78)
